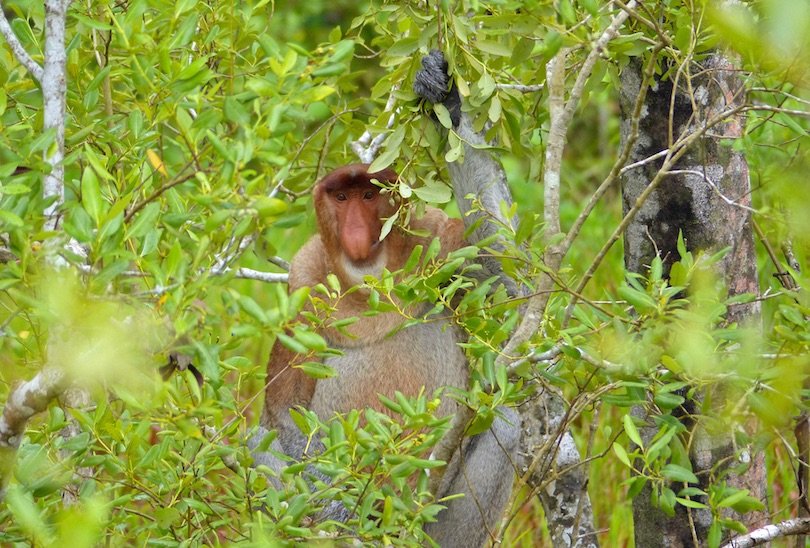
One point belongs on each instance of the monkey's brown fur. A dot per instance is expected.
(379, 359)
(373, 362)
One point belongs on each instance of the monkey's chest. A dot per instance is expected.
(424, 355)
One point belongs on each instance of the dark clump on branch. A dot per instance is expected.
(433, 84)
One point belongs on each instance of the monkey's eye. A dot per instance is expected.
(368, 195)
(341, 197)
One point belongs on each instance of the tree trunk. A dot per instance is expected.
(707, 199)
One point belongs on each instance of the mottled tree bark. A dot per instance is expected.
(706, 197)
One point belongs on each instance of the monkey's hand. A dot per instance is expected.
(433, 83)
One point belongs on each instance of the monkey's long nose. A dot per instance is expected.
(357, 241)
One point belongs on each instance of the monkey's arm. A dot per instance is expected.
(449, 231)
(477, 172)
(484, 469)
(286, 385)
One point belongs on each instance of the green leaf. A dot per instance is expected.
(384, 160)
(481, 423)
(715, 534)
(219, 146)
(182, 6)
(493, 48)
(145, 221)
(11, 189)
(486, 85)
(235, 112)
(78, 225)
(342, 51)
(261, 87)
(668, 401)
(737, 496)
(631, 431)
(11, 219)
(404, 47)
(494, 112)
(317, 370)
(253, 309)
(622, 454)
(434, 192)
(443, 115)
(667, 501)
(642, 302)
(166, 516)
(91, 195)
(387, 226)
(689, 503)
(300, 421)
(291, 343)
(311, 340)
(673, 472)
(454, 153)
(99, 167)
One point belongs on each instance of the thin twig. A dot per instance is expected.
(645, 161)
(156, 194)
(536, 307)
(523, 88)
(709, 182)
(771, 108)
(770, 533)
(785, 93)
(368, 153)
(269, 277)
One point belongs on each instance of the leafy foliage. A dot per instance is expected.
(195, 131)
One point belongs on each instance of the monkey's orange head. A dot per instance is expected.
(350, 209)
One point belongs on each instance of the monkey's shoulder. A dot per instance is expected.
(436, 223)
(308, 267)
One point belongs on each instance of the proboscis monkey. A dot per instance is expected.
(380, 359)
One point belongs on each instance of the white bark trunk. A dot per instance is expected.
(54, 88)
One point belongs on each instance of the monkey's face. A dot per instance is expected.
(356, 209)
(350, 211)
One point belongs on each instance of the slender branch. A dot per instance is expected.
(616, 170)
(709, 182)
(771, 108)
(790, 257)
(279, 262)
(523, 88)
(169, 184)
(365, 147)
(25, 401)
(785, 278)
(587, 67)
(556, 143)
(17, 48)
(54, 91)
(651, 24)
(646, 160)
(548, 357)
(226, 258)
(763, 535)
(269, 277)
(782, 92)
